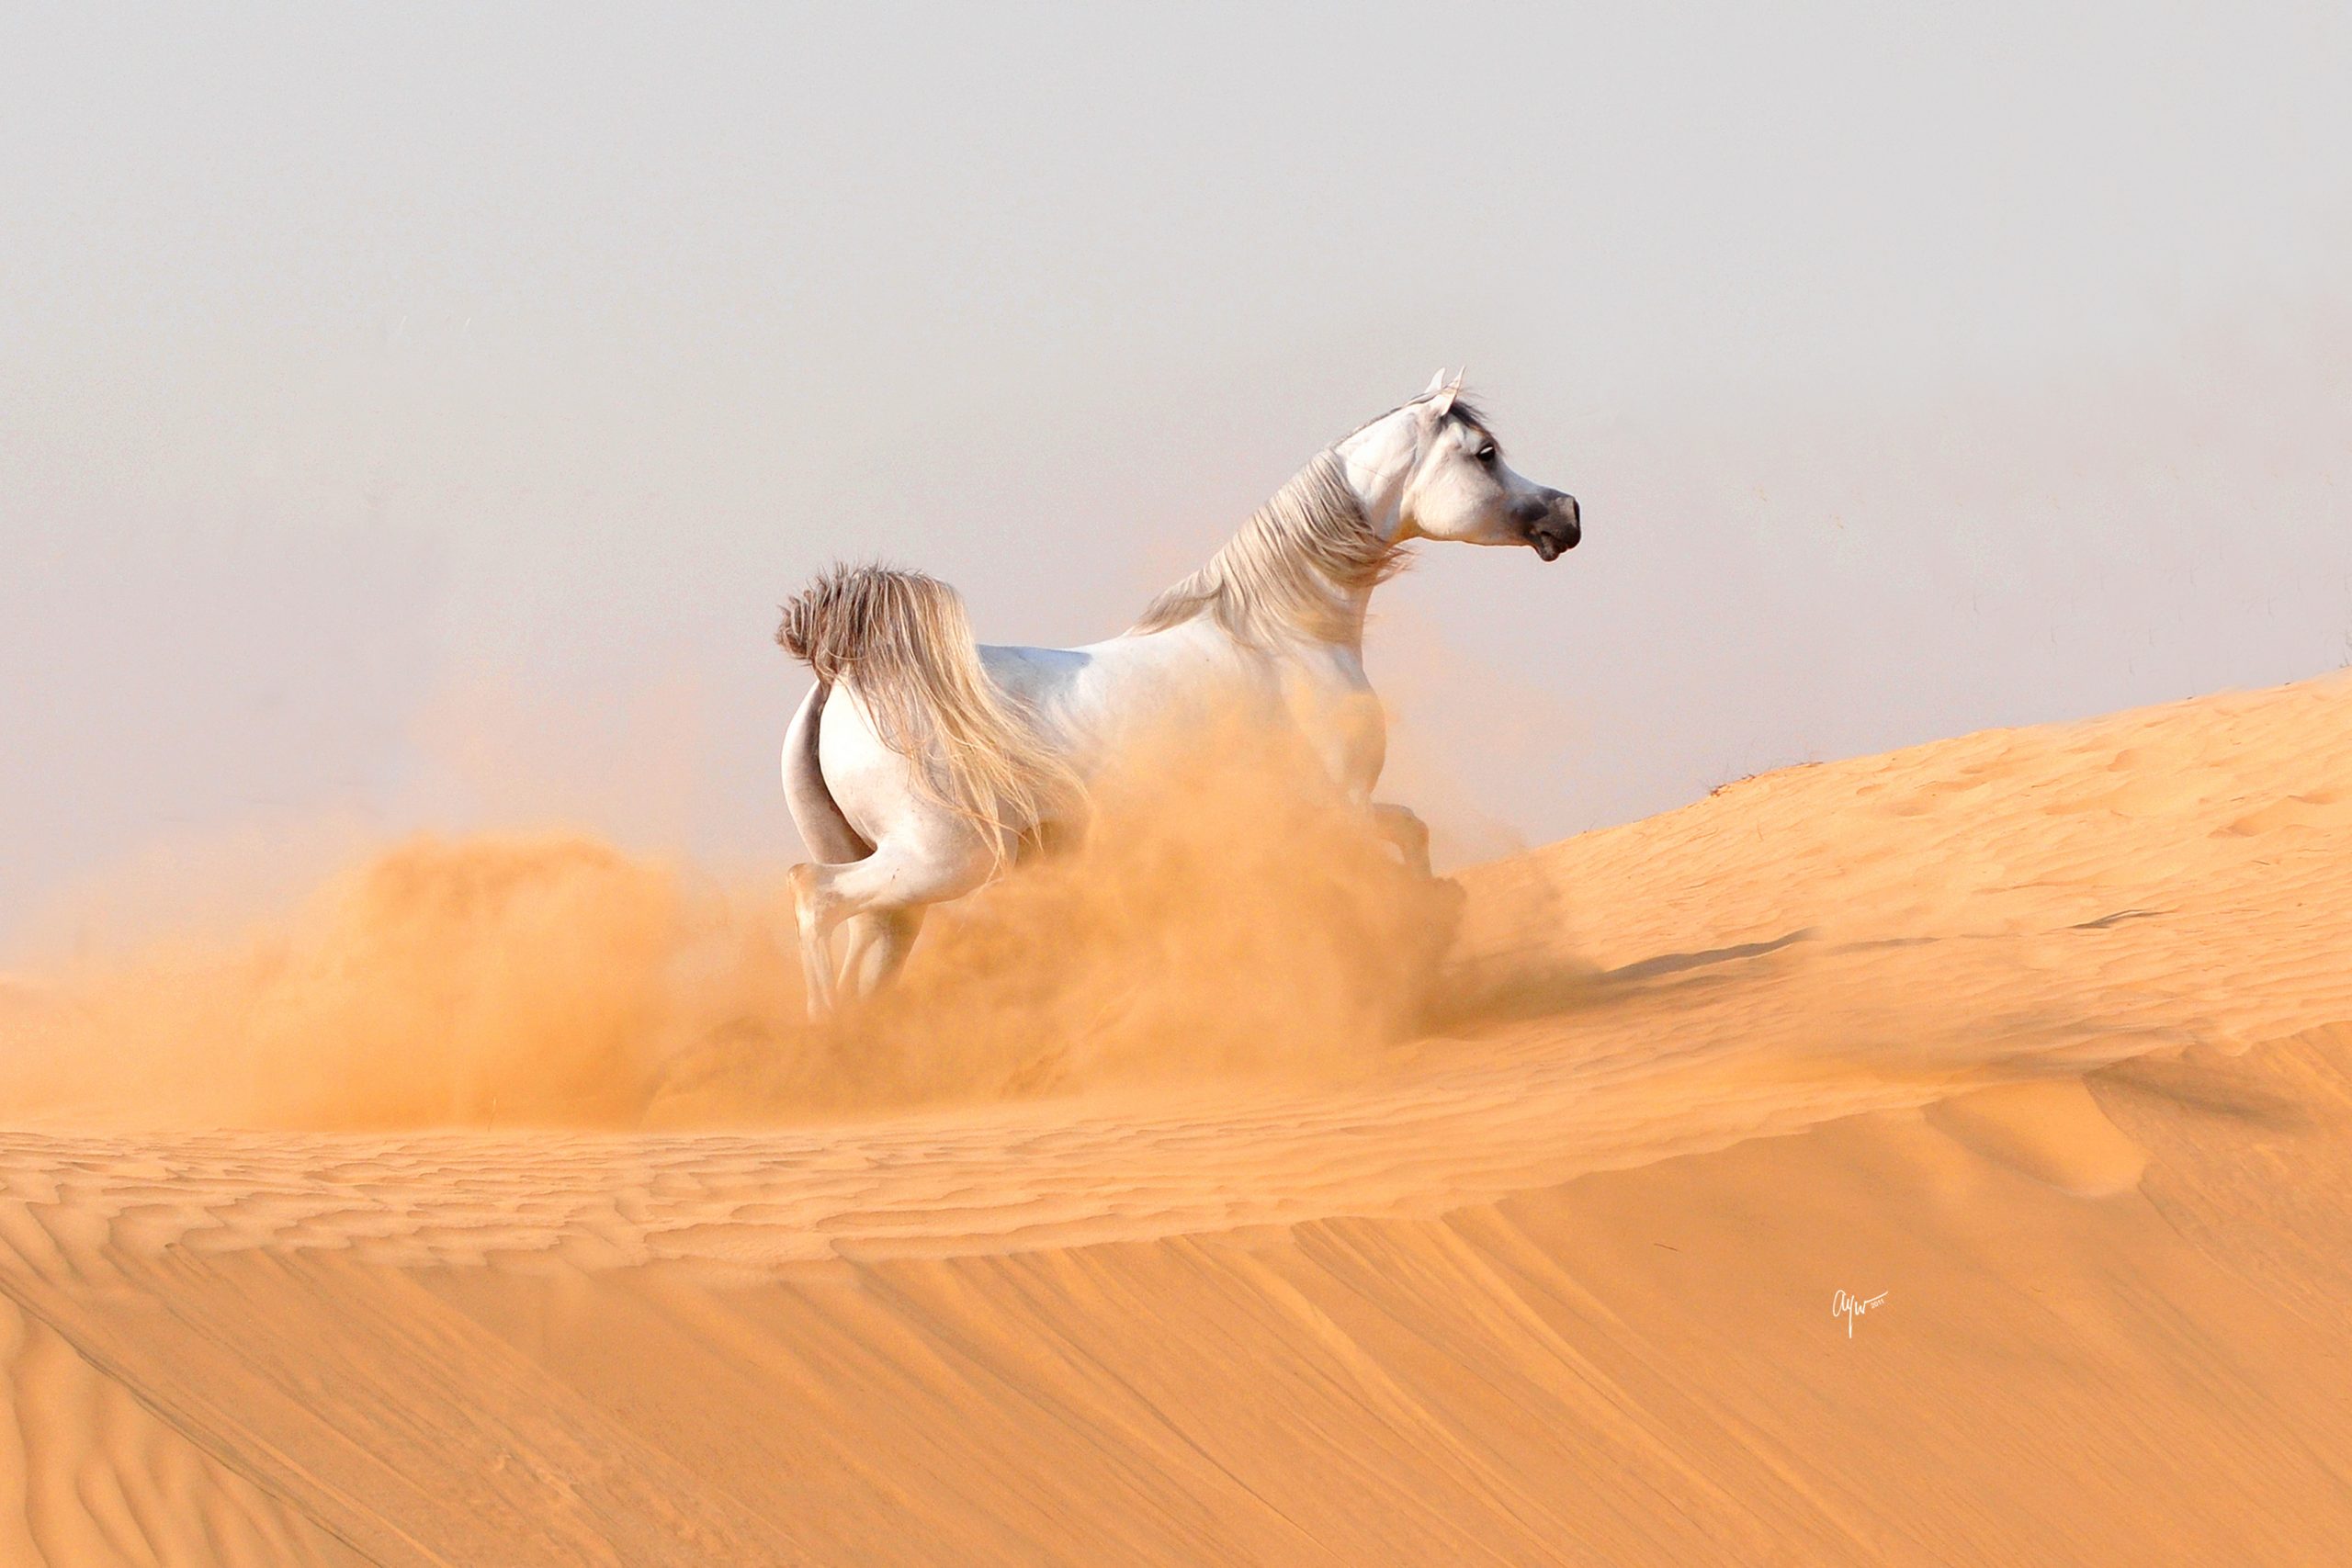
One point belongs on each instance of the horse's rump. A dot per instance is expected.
(902, 641)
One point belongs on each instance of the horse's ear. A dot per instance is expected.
(1441, 401)
(1437, 384)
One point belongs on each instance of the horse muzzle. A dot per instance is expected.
(1558, 529)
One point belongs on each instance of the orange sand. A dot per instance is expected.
(2045, 1035)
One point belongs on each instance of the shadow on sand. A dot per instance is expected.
(1513, 988)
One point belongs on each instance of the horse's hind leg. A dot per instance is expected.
(816, 943)
(882, 899)
(875, 947)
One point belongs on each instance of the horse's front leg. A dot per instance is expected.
(1408, 832)
(1441, 898)
(1351, 734)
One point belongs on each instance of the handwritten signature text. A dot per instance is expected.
(1851, 1307)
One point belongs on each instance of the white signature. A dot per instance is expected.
(1851, 1307)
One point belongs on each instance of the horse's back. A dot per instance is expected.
(1089, 704)
(1039, 677)
(1090, 700)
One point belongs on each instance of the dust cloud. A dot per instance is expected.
(1222, 916)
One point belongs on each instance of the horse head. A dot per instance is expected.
(1456, 486)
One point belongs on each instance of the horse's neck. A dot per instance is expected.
(1347, 593)
(1377, 461)
(1299, 573)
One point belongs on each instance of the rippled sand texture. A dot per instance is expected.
(2045, 1035)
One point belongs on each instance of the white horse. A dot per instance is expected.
(921, 758)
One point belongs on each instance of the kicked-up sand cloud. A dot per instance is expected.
(1222, 916)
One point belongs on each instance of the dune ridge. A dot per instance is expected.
(2042, 1033)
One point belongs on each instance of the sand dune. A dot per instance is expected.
(2043, 1036)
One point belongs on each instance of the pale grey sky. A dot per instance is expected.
(412, 415)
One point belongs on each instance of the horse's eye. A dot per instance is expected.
(1487, 453)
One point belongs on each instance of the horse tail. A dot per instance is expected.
(901, 642)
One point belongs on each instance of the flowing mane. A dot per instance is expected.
(1296, 567)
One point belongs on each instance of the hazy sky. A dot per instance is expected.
(413, 416)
